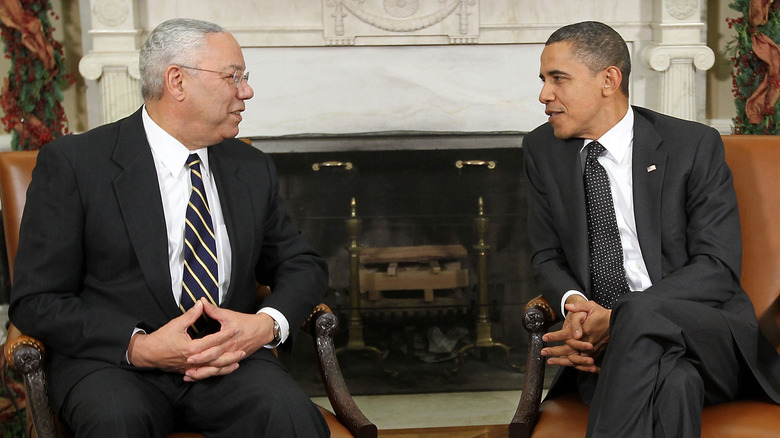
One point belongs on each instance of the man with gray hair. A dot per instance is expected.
(141, 248)
(635, 239)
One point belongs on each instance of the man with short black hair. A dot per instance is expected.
(634, 228)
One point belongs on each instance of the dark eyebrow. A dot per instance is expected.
(556, 73)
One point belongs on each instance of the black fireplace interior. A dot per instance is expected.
(409, 198)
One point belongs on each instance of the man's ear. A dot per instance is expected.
(612, 80)
(174, 82)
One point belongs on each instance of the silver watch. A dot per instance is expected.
(277, 334)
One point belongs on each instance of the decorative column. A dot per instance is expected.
(113, 60)
(678, 65)
(677, 51)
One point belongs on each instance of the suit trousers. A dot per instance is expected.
(665, 360)
(259, 399)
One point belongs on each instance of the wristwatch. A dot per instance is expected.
(277, 334)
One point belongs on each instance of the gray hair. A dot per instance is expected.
(176, 41)
(596, 45)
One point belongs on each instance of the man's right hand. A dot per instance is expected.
(169, 347)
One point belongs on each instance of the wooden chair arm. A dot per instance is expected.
(323, 325)
(16, 339)
(26, 354)
(537, 318)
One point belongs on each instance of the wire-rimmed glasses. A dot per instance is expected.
(237, 77)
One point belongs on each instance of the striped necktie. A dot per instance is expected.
(200, 248)
(607, 274)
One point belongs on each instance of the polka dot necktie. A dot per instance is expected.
(607, 274)
(200, 247)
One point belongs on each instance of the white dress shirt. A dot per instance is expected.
(175, 184)
(619, 143)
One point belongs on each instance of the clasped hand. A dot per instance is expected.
(170, 348)
(584, 336)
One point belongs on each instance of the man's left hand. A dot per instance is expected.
(252, 332)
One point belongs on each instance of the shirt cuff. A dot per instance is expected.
(284, 325)
(565, 297)
(135, 331)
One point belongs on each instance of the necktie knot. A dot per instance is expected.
(193, 162)
(595, 150)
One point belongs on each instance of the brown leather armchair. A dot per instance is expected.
(754, 161)
(27, 354)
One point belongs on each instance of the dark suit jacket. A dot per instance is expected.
(686, 218)
(92, 262)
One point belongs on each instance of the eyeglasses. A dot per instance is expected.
(237, 77)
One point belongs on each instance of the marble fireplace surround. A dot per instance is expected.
(336, 68)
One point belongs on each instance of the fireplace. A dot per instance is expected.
(425, 193)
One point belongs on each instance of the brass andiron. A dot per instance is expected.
(355, 321)
(484, 326)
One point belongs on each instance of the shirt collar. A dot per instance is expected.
(169, 151)
(618, 139)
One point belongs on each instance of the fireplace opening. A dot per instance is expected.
(428, 259)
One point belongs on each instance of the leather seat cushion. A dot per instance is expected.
(568, 416)
(740, 419)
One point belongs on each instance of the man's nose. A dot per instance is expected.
(546, 95)
(245, 91)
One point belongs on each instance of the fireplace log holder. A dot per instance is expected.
(355, 341)
(484, 325)
(425, 268)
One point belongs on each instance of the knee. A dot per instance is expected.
(284, 416)
(111, 412)
(633, 308)
(115, 418)
(638, 315)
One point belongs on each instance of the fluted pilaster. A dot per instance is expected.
(118, 78)
(678, 64)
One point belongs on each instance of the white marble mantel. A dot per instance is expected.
(356, 66)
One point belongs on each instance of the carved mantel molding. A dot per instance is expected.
(427, 21)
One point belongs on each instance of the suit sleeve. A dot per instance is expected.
(551, 268)
(296, 274)
(48, 272)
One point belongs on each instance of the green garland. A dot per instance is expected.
(749, 70)
(32, 95)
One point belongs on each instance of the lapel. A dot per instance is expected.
(647, 186)
(236, 201)
(140, 203)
